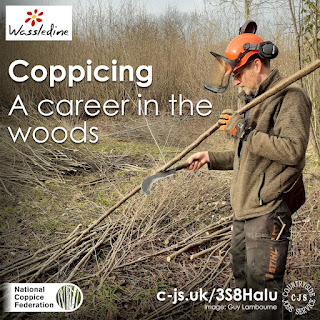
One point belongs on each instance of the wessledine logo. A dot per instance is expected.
(38, 23)
(34, 17)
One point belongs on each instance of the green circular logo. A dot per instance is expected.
(69, 297)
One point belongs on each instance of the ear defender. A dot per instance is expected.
(249, 27)
(267, 49)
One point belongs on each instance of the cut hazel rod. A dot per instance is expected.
(205, 230)
(197, 243)
(33, 260)
(215, 247)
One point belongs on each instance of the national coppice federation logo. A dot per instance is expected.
(34, 17)
(40, 23)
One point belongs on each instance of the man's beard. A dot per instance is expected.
(249, 91)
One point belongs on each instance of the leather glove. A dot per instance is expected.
(232, 123)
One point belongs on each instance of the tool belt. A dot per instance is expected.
(295, 197)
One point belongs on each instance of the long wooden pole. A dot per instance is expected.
(278, 87)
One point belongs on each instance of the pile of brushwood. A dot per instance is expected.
(179, 237)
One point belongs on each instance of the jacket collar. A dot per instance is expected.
(269, 82)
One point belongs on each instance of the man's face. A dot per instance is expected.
(247, 77)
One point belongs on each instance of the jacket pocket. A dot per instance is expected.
(261, 184)
(295, 197)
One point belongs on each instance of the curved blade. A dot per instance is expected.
(147, 183)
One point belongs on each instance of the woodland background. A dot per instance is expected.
(51, 193)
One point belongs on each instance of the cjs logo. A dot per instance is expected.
(24, 23)
(34, 17)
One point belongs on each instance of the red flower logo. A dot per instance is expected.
(34, 17)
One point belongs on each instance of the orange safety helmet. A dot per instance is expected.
(238, 51)
(235, 48)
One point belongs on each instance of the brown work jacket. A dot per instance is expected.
(273, 156)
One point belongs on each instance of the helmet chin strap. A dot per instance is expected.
(215, 89)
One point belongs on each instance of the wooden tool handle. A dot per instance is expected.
(182, 166)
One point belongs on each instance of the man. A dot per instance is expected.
(269, 156)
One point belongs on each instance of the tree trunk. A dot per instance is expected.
(246, 9)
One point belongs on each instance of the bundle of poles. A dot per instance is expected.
(30, 268)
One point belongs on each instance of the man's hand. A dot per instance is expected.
(232, 123)
(198, 160)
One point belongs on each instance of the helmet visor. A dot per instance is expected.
(219, 73)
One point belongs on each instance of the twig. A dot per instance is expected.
(282, 228)
(4, 187)
(215, 247)
(199, 242)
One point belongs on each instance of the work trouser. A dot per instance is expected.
(259, 257)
